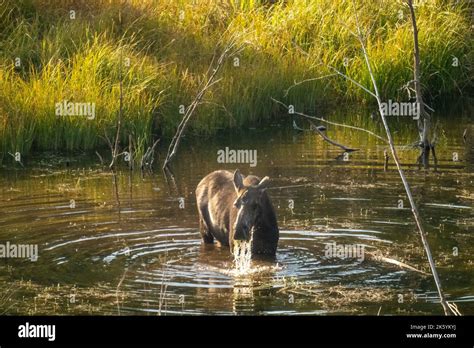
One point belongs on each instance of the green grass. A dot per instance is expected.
(170, 43)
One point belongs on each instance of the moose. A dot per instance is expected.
(233, 207)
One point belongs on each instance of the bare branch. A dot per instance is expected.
(147, 158)
(414, 209)
(353, 81)
(304, 81)
(173, 147)
(100, 158)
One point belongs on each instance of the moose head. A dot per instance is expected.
(248, 204)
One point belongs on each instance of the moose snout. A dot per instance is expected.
(242, 233)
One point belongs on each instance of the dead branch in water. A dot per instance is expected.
(377, 257)
(332, 142)
(330, 122)
(424, 118)
(318, 130)
(148, 158)
(414, 209)
(211, 80)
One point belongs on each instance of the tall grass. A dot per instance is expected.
(170, 44)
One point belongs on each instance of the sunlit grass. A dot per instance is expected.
(170, 44)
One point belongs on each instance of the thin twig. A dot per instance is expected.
(100, 158)
(147, 159)
(175, 142)
(352, 80)
(304, 81)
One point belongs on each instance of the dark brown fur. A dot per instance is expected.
(221, 195)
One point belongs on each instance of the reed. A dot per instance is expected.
(169, 45)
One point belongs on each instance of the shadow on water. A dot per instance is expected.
(128, 242)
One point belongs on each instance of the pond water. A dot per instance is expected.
(128, 242)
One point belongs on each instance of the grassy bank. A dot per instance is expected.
(169, 44)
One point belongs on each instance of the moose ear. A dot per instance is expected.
(238, 180)
(263, 184)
